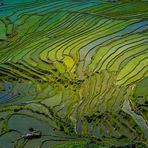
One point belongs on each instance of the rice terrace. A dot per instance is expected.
(73, 73)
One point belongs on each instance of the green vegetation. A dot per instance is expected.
(73, 74)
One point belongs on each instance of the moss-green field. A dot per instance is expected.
(73, 73)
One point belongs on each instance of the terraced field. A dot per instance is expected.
(73, 73)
